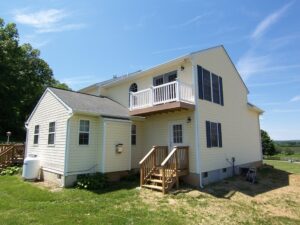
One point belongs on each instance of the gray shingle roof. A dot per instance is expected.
(91, 104)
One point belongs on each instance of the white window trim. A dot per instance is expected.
(86, 132)
(38, 134)
(52, 145)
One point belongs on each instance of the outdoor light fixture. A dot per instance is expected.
(8, 133)
(189, 119)
(182, 68)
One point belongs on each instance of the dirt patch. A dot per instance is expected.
(52, 187)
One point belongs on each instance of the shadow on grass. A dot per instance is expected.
(126, 183)
(268, 179)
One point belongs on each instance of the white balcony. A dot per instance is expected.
(175, 91)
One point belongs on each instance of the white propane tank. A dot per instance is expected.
(31, 167)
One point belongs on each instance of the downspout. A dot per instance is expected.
(67, 149)
(26, 142)
(196, 123)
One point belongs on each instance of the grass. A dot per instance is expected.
(286, 166)
(274, 200)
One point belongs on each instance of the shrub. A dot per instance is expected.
(91, 181)
(9, 171)
(288, 152)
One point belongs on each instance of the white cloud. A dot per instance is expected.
(250, 64)
(174, 49)
(193, 20)
(295, 99)
(77, 82)
(286, 110)
(269, 21)
(45, 21)
(265, 84)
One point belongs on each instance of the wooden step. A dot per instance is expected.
(159, 188)
(155, 181)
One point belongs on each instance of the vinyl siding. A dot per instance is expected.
(138, 149)
(117, 132)
(156, 132)
(240, 127)
(85, 158)
(49, 110)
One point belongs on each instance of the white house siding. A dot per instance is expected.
(156, 132)
(49, 110)
(240, 129)
(117, 132)
(84, 158)
(138, 149)
(120, 92)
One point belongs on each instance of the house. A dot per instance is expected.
(187, 118)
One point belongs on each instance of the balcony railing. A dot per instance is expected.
(165, 93)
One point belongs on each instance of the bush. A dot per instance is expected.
(91, 181)
(289, 152)
(10, 171)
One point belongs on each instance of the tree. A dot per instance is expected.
(24, 77)
(267, 143)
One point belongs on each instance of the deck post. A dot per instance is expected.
(176, 169)
(163, 181)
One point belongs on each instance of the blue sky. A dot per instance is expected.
(89, 41)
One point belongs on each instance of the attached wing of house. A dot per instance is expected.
(187, 118)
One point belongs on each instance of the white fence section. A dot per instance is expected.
(168, 92)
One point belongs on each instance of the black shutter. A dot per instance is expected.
(215, 88)
(221, 90)
(206, 85)
(200, 83)
(220, 134)
(208, 139)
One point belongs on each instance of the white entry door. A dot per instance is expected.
(176, 134)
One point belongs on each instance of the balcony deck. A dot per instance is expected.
(170, 96)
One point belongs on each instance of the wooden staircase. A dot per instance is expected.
(161, 171)
(11, 155)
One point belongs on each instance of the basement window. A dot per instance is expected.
(36, 134)
(84, 132)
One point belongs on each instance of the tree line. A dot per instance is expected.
(23, 78)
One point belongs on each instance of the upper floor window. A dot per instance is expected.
(133, 134)
(210, 86)
(51, 134)
(36, 134)
(165, 78)
(213, 134)
(84, 132)
(133, 87)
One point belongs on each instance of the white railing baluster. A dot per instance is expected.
(168, 92)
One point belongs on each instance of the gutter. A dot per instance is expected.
(66, 163)
(196, 123)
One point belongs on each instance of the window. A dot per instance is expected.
(205, 174)
(224, 170)
(215, 88)
(164, 78)
(133, 134)
(177, 134)
(36, 134)
(206, 85)
(213, 134)
(210, 86)
(84, 132)
(51, 134)
(133, 88)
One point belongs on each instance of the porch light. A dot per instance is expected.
(189, 119)
(8, 133)
(182, 68)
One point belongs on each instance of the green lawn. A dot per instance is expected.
(274, 200)
(283, 165)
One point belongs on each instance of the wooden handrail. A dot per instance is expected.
(176, 160)
(147, 155)
(11, 155)
(151, 161)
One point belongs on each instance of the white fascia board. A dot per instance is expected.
(39, 102)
